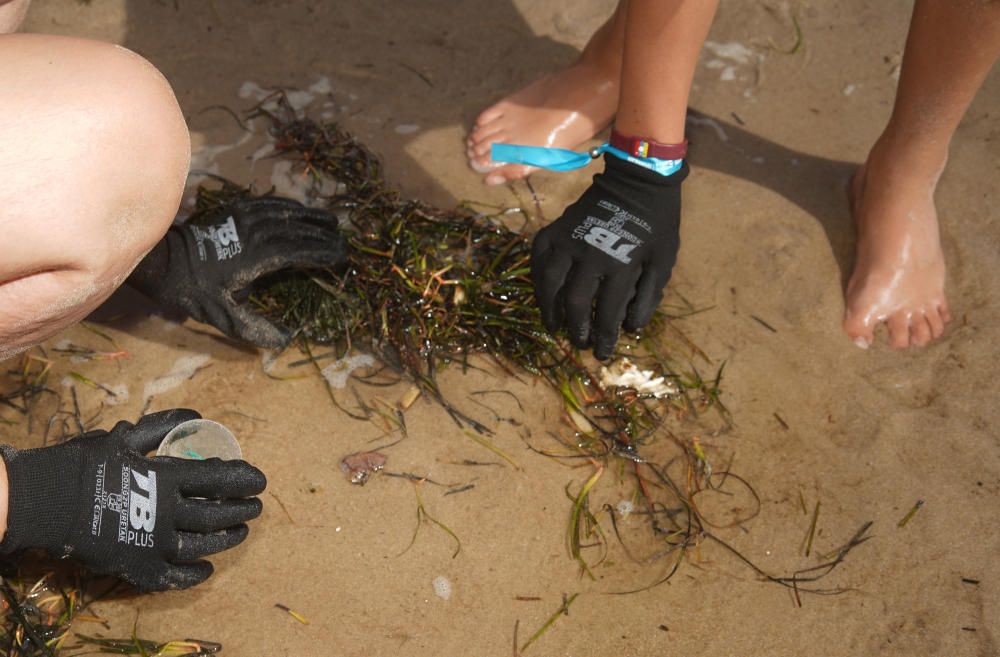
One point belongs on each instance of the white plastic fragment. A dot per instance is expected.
(733, 51)
(625, 374)
(442, 587)
(291, 181)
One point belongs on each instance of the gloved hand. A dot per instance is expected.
(200, 269)
(99, 499)
(606, 260)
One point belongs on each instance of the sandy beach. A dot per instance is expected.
(767, 247)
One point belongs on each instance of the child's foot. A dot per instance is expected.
(561, 110)
(899, 270)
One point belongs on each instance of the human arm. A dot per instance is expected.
(580, 284)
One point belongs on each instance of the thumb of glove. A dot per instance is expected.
(251, 327)
(151, 429)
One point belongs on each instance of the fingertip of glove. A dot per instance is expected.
(603, 350)
(254, 479)
(171, 417)
(191, 574)
(636, 321)
(184, 414)
(260, 481)
(580, 339)
(265, 334)
(172, 577)
(235, 535)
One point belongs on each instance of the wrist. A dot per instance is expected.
(638, 172)
(665, 168)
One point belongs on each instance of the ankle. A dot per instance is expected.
(916, 155)
(604, 53)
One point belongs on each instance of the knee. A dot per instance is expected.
(95, 156)
(109, 129)
(145, 151)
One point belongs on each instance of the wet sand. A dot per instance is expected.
(766, 235)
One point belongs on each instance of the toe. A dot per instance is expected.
(936, 323)
(472, 153)
(858, 330)
(489, 115)
(945, 312)
(479, 155)
(899, 330)
(920, 331)
(508, 173)
(484, 165)
(487, 134)
(479, 150)
(483, 149)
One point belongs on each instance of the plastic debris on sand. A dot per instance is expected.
(625, 374)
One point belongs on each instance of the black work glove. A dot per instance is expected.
(606, 260)
(200, 269)
(98, 498)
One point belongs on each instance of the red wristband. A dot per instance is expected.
(639, 147)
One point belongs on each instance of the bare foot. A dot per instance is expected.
(899, 270)
(561, 110)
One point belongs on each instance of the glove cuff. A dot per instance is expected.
(149, 275)
(617, 166)
(40, 499)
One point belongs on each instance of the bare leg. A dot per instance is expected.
(899, 272)
(645, 40)
(94, 160)
(663, 40)
(560, 110)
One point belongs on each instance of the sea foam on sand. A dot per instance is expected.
(183, 369)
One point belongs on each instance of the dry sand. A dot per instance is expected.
(766, 233)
